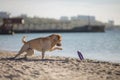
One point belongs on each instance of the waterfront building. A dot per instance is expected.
(64, 18)
(4, 15)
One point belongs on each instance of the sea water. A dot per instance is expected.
(98, 46)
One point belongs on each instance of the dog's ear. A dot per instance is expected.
(59, 37)
(56, 37)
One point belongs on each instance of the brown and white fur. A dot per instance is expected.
(42, 44)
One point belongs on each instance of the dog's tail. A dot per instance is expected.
(23, 39)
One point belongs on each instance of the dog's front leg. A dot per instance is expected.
(43, 54)
(56, 48)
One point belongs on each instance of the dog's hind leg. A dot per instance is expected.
(29, 52)
(23, 49)
(18, 54)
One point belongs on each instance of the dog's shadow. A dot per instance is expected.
(33, 59)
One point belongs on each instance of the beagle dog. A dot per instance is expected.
(42, 44)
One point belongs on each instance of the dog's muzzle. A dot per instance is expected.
(59, 44)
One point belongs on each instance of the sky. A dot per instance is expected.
(103, 10)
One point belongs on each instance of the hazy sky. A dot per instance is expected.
(103, 10)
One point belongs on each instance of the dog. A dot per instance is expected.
(42, 44)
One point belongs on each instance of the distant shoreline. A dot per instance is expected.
(87, 28)
(76, 29)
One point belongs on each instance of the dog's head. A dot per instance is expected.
(56, 39)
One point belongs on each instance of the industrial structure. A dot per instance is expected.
(8, 23)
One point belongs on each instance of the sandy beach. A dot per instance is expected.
(55, 68)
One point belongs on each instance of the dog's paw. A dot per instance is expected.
(60, 48)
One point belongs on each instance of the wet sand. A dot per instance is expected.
(55, 68)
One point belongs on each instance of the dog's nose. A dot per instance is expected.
(59, 44)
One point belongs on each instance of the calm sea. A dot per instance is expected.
(98, 46)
